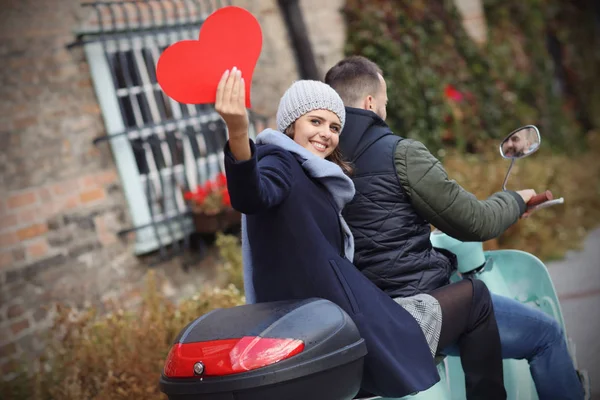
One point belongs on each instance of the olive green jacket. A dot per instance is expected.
(445, 204)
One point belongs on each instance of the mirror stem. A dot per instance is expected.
(512, 162)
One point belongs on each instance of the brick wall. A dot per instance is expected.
(276, 68)
(61, 201)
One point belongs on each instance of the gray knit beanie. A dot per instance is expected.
(305, 96)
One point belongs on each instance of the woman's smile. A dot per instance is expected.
(319, 146)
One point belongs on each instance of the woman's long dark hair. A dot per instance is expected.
(335, 157)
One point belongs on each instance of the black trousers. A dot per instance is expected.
(468, 320)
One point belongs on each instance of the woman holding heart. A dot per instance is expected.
(291, 187)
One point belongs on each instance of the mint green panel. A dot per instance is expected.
(469, 254)
(523, 277)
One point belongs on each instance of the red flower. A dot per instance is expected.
(226, 198)
(208, 186)
(221, 180)
(200, 194)
(211, 197)
(452, 93)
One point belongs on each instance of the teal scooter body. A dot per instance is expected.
(512, 273)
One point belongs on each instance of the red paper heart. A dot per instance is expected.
(189, 71)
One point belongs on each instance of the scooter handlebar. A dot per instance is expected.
(540, 198)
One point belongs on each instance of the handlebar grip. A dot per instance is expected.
(540, 198)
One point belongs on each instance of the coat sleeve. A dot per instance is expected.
(258, 185)
(445, 204)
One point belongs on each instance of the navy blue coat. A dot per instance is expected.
(297, 253)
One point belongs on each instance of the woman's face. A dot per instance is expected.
(318, 131)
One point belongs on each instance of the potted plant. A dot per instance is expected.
(211, 206)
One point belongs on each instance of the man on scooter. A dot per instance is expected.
(394, 206)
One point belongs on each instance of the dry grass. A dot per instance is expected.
(120, 355)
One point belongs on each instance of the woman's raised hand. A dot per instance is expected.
(231, 103)
(231, 106)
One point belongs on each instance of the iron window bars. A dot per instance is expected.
(160, 146)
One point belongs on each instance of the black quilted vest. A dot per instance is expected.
(392, 246)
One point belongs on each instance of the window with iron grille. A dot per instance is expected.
(160, 146)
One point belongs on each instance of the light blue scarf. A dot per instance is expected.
(339, 185)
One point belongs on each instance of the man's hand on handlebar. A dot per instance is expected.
(536, 201)
(527, 195)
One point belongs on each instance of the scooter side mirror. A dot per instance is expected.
(519, 143)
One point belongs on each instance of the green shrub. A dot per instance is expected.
(507, 82)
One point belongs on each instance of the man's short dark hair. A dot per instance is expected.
(354, 78)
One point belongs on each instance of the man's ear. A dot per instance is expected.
(368, 103)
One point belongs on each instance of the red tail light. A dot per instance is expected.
(229, 356)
